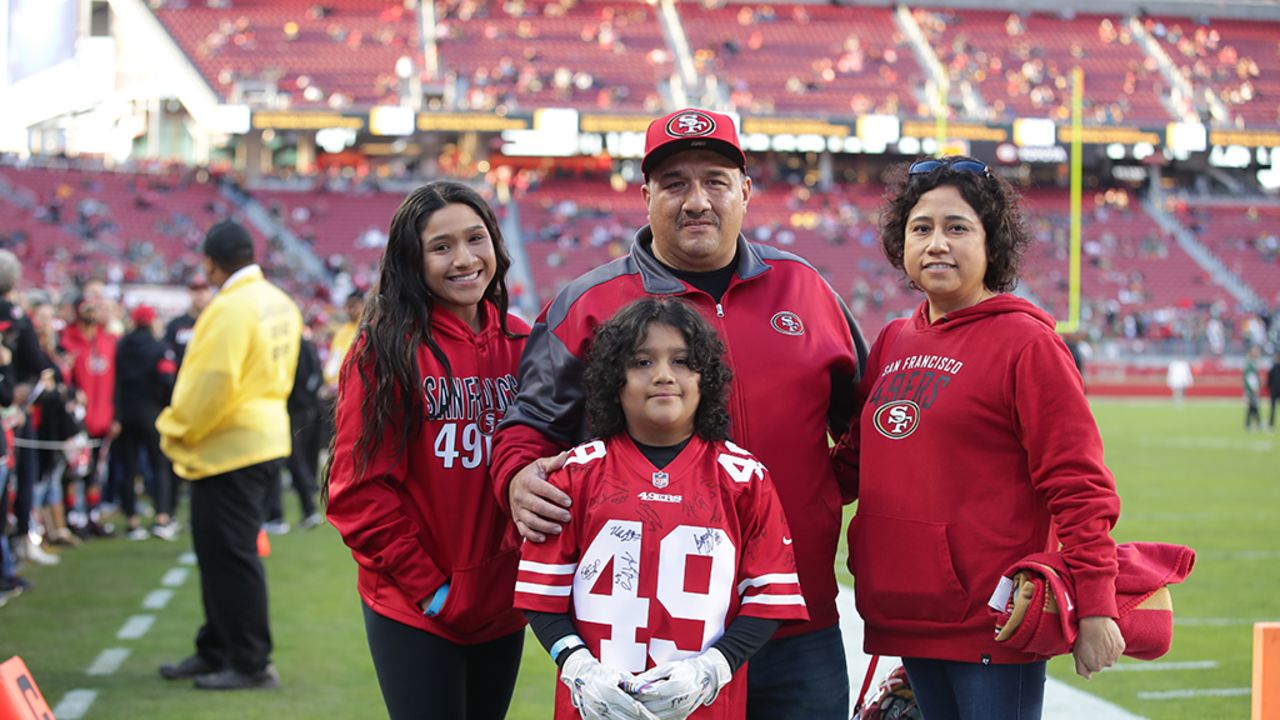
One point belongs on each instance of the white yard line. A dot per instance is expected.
(1202, 692)
(1217, 622)
(135, 627)
(1209, 443)
(157, 599)
(187, 558)
(1164, 666)
(174, 577)
(108, 661)
(75, 704)
(1061, 701)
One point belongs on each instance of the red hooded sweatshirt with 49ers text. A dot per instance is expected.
(975, 448)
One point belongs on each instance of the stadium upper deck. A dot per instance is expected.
(783, 59)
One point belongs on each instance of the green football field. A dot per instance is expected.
(1187, 475)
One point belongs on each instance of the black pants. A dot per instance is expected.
(423, 675)
(1275, 399)
(142, 437)
(306, 429)
(25, 476)
(1251, 415)
(226, 514)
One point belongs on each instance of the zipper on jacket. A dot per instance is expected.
(719, 310)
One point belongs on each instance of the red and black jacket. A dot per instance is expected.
(796, 355)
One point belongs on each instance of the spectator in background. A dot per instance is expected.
(226, 430)
(92, 353)
(305, 422)
(343, 337)
(145, 370)
(53, 414)
(1179, 378)
(1252, 390)
(1273, 387)
(19, 371)
(304, 427)
(179, 330)
(24, 374)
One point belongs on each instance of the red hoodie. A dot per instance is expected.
(93, 370)
(974, 445)
(426, 515)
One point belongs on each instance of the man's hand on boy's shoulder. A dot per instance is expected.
(538, 507)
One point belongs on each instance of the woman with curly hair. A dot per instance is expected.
(429, 376)
(676, 565)
(975, 448)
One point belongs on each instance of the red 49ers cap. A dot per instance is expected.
(691, 129)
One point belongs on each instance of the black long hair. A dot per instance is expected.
(615, 344)
(397, 320)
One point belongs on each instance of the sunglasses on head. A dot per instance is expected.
(956, 164)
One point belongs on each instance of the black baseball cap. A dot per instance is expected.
(228, 243)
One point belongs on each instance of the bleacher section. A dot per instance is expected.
(149, 225)
(342, 56)
(544, 53)
(1246, 238)
(1236, 60)
(811, 60)
(335, 223)
(1022, 64)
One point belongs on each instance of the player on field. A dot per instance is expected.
(975, 449)
(430, 374)
(677, 563)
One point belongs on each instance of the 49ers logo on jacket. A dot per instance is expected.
(897, 420)
(787, 323)
(691, 124)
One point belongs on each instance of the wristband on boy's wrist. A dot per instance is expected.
(561, 648)
(437, 601)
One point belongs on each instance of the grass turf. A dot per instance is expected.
(1187, 475)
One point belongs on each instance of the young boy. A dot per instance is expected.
(677, 564)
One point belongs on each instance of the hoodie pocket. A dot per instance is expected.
(903, 571)
(480, 595)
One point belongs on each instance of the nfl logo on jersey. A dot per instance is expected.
(660, 479)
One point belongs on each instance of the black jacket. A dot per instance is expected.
(178, 333)
(145, 371)
(305, 396)
(1273, 379)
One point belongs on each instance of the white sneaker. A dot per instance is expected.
(32, 552)
(311, 521)
(276, 527)
(166, 532)
(138, 533)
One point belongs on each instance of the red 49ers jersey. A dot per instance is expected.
(656, 563)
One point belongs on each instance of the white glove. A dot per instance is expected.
(597, 690)
(673, 690)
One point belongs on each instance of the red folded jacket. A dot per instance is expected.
(1039, 616)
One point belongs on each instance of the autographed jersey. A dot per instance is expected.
(656, 563)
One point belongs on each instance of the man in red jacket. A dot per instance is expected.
(782, 404)
(92, 353)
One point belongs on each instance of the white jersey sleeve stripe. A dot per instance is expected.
(770, 579)
(775, 600)
(539, 589)
(546, 569)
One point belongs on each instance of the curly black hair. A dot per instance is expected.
(996, 203)
(615, 343)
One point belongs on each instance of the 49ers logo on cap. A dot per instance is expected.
(691, 124)
(898, 419)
